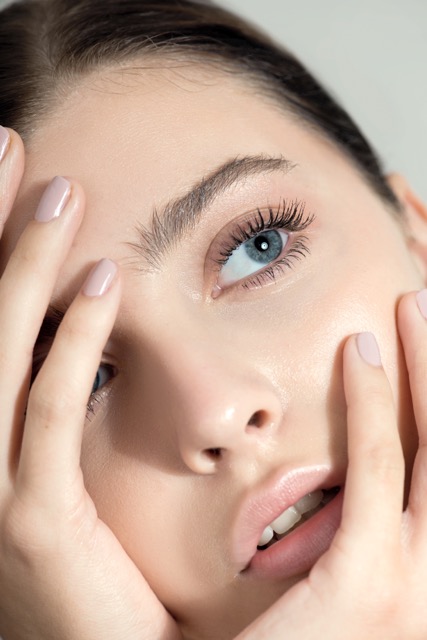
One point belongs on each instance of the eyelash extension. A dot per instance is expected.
(289, 216)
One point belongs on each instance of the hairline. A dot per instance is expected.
(161, 59)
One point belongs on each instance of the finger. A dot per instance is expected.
(25, 290)
(12, 161)
(372, 509)
(50, 455)
(412, 325)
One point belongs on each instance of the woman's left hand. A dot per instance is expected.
(372, 582)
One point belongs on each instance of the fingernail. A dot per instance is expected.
(100, 278)
(4, 142)
(53, 200)
(368, 348)
(422, 302)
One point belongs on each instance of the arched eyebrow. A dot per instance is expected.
(180, 215)
(176, 219)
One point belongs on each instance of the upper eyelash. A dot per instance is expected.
(290, 215)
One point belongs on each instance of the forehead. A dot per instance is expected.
(160, 129)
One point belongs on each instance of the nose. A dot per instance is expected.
(221, 408)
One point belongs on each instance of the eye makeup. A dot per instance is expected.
(266, 241)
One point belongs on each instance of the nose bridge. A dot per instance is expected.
(220, 404)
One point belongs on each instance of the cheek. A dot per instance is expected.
(166, 523)
(354, 286)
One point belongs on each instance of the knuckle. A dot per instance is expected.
(48, 406)
(385, 459)
(418, 368)
(72, 330)
(26, 254)
(378, 395)
(24, 539)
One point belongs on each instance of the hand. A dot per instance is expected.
(372, 583)
(63, 574)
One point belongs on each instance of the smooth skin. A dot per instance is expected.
(69, 566)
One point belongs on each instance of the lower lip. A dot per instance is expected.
(297, 552)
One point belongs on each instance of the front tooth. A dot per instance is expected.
(267, 535)
(309, 502)
(286, 520)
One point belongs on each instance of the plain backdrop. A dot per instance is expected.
(372, 55)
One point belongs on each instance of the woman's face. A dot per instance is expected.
(221, 400)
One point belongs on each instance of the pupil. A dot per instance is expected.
(265, 247)
(261, 243)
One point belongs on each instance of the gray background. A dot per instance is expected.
(372, 55)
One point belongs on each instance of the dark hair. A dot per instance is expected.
(45, 45)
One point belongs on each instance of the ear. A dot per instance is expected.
(415, 213)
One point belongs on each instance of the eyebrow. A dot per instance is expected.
(181, 215)
(177, 218)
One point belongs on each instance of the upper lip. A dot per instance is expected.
(265, 503)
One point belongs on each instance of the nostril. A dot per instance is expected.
(213, 454)
(258, 419)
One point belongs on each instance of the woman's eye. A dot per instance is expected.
(252, 256)
(103, 375)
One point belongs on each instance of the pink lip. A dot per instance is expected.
(298, 551)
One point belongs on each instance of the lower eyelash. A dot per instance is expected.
(96, 399)
(297, 252)
(290, 216)
(91, 406)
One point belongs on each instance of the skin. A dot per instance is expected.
(275, 349)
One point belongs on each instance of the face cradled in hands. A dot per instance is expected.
(203, 361)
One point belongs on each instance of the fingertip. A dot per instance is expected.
(100, 279)
(11, 145)
(411, 313)
(421, 299)
(363, 347)
(12, 166)
(4, 142)
(368, 349)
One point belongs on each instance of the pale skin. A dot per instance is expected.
(119, 526)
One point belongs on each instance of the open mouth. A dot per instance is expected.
(295, 515)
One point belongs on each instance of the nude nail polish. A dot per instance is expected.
(4, 142)
(422, 302)
(53, 200)
(368, 348)
(100, 278)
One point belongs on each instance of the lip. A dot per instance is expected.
(299, 550)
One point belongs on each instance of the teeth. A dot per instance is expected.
(309, 502)
(286, 520)
(267, 535)
(291, 516)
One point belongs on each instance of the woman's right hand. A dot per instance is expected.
(63, 574)
(372, 582)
